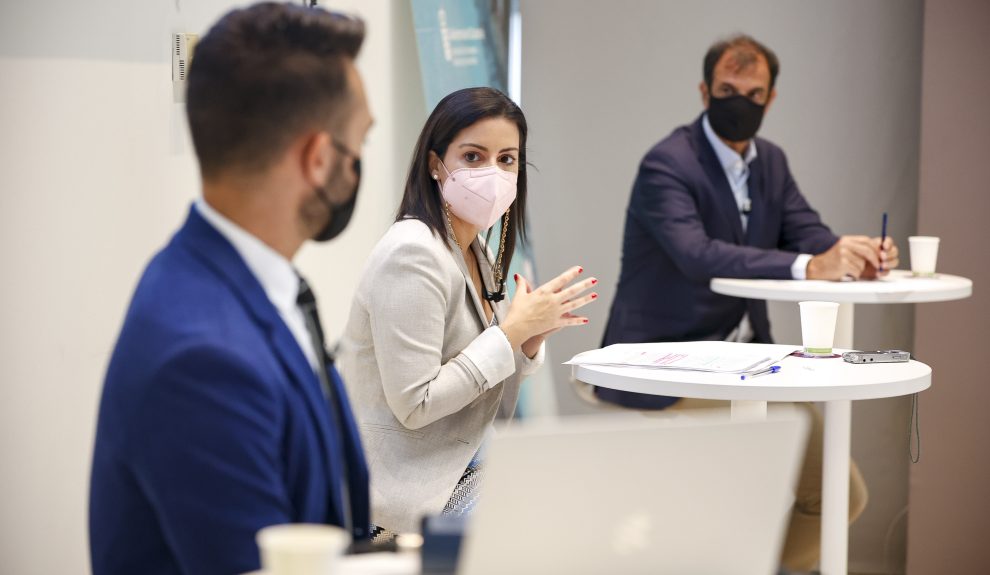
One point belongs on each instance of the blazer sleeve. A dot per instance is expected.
(802, 229)
(663, 204)
(208, 458)
(528, 366)
(408, 308)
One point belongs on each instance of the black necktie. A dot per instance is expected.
(307, 303)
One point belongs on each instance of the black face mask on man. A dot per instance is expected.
(340, 214)
(735, 118)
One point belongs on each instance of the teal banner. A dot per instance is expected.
(461, 44)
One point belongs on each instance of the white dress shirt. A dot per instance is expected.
(736, 168)
(275, 274)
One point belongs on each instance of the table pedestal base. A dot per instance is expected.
(835, 487)
(844, 324)
(835, 477)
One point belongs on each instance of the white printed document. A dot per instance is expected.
(707, 356)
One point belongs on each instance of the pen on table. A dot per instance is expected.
(764, 371)
(883, 238)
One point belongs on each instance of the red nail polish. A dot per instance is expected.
(585, 321)
(593, 282)
(516, 276)
(594, 296)
(580, 270)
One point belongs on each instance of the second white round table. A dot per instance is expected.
(897, 287)
(830, 380)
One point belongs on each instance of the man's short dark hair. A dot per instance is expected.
(746, 49)
(261, 77)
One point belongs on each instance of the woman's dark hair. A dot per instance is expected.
(421, 199)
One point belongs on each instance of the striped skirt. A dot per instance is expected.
(461, 502)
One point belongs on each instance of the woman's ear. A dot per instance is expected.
(436, 171)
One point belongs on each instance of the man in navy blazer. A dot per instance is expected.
(711, 200)
(221, 413)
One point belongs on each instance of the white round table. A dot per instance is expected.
(897, 287)
(830, 380)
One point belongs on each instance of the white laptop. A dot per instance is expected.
(619, 496)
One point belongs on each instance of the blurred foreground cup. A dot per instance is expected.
(302, 549)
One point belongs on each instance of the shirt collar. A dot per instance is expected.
(275, 273)
(728, 157)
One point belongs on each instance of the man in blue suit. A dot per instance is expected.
(221, 411)
(712, 200)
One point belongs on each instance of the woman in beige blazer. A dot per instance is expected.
(433, 351)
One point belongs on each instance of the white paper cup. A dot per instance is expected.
(924, 255)
(302, 549)
(818, 326)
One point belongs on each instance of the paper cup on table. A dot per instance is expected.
(302, 549)
(818, 326)
(924, 255)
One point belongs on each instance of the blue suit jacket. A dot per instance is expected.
(683, 228)
(212, 423)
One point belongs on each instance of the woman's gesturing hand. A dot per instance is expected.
(536, 313)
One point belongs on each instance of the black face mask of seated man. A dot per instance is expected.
(340, 214)
(735, 118)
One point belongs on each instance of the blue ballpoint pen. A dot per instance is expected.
(771, 369)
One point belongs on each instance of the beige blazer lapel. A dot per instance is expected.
(480, 253)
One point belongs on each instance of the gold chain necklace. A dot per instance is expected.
(497, 270)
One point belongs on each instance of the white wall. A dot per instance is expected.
(96, 173)
(603, 81)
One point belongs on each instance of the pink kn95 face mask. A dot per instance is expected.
(479, 196)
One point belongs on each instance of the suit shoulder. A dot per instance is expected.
(770, 150)
(175, 283)
(180, 301)
(409, 253)
(409, 238)
(675, 149)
